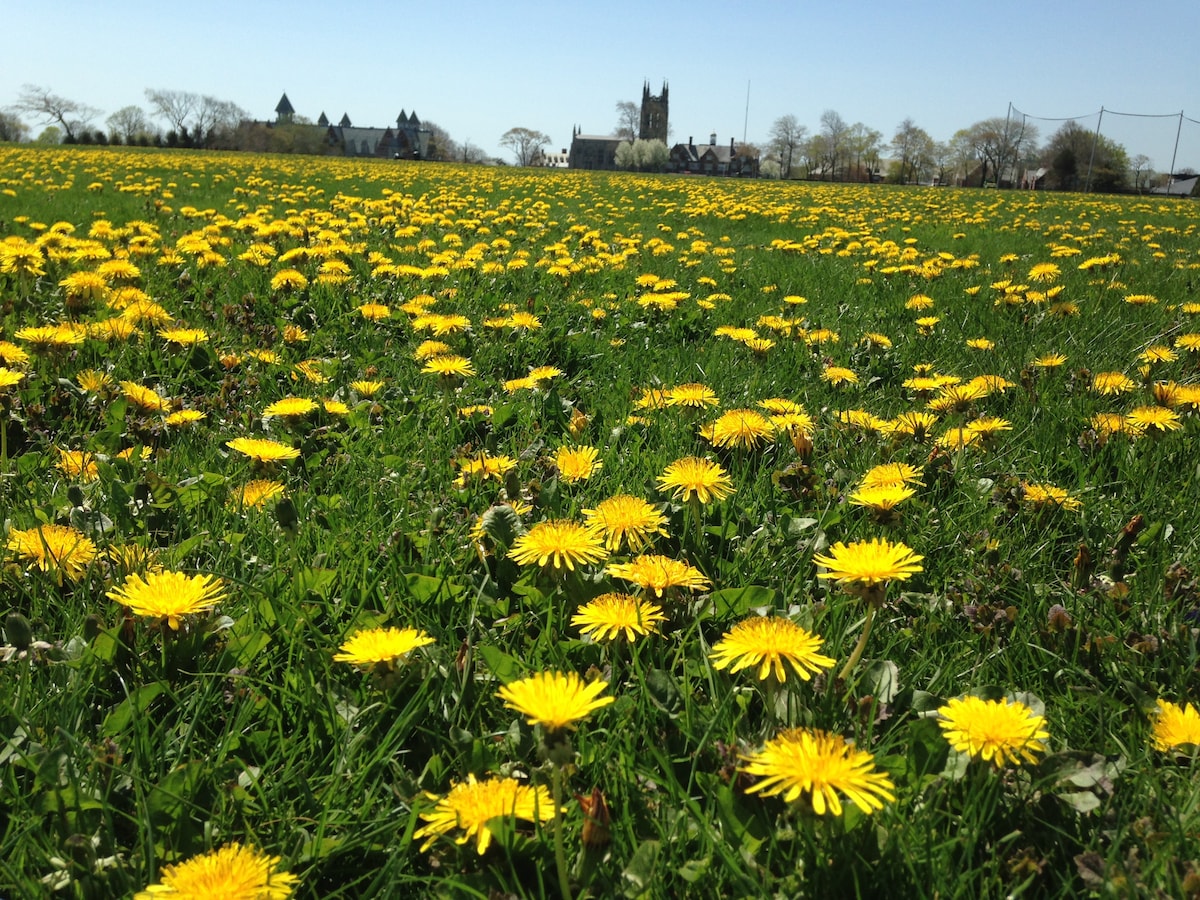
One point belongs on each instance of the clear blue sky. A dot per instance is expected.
(479, 68)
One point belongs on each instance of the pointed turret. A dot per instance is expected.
(284, 111)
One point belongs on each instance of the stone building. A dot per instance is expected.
(407, 139)
(595, 151)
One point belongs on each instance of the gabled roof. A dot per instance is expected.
(284, 107)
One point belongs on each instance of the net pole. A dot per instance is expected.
(1174, 153)
(1087, 186)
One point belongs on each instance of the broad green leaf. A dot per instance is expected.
(734, 602)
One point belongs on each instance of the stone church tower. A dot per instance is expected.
(654, 115)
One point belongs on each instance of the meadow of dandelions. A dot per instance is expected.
(393, 529)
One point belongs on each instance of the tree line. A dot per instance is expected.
(1002, 150)
(174, 118)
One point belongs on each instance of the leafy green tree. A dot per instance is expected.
(12, 128)
(1079, 159)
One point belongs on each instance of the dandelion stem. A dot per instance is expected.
(560, 853)
(860, 646)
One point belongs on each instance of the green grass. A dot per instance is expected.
(127, 747)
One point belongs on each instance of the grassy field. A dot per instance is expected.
(922, 623)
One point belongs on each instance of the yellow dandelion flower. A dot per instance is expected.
(882, 497)
(839, 375)
(381, 646)
(78, 464)
(694, 477)
(144, 397)
(374, 312)
(821, 766)
(449, 366)
(262, 450)
(483, 467)
(10, 378)
(1044, 272)
(692, 395)
(768, 642)
(290, 408)
(659, 573)
(1153, 419)
(169, 595)
(184, 337)
(741, 429)
(996, 731)
(1111, 383)
(183, 417)
(427, 349)
(233, 872)
(475, 807)
(610, 615)
(865, 564)
(559, 542)
(1041, 495)
(60, 549)
(257, 493)
(626, 520)
(577, 463)
(1175, 726)
(288, 280)
(366, 388)
(1050, 360)
(554, 700)
(49, 337)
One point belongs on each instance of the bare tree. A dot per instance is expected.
(629, 121)
(216, 121)
(525, 143)
(833, 129)
(862, 146)
(129, 123)
(472, 153)
(70, 115)
(943, 159)
(440, 147)
(174, 106)
(1139, 165)
(914, 147)
(787, 135)
(997, 143)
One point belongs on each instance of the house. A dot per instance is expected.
(551, 160)
(712, 159)
(1178, 186)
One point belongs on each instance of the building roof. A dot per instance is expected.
(284, 107)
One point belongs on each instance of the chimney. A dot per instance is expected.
(712, 139)
(731, 150)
